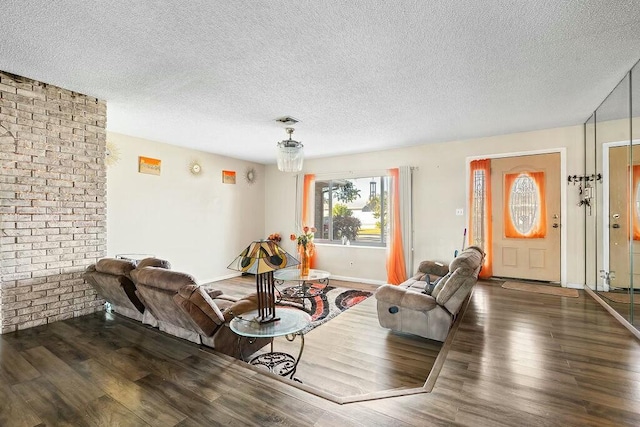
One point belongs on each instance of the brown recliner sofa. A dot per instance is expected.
(409, 308)
(111, 278)
(190, 311)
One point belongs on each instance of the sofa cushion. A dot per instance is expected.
(154, 262)
(395, 296)
(465, 266)
(162, 278)
(470, 260)
(440, 284)
(117, 267)
(195, 301)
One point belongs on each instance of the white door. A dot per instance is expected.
(516, 253)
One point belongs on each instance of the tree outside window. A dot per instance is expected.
(352, 211)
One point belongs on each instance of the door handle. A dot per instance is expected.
(555, 225)
(615, 226)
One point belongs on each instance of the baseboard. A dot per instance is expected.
(218, 278)
(574, 286)
(614, 313)
(359, 280)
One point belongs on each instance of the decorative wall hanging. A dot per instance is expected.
(228, 177)
(195, 168)
(149, 165)
(250, 175)
(584, 178)
(112, 154)
(586, 192)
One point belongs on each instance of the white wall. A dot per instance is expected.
(197, 223)
(440, 186)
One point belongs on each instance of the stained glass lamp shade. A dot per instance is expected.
(262, 258)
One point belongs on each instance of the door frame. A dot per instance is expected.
(563, 195)
(606, 146)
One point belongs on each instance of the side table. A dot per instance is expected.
(304, 289)
(136, 258)
(291, 322)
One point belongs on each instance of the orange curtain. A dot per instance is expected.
(634, 198)
(480, 205)
(539, 229)
(306, 217)
(396, 272)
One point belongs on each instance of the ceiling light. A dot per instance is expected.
(290, 154)
(287, 120)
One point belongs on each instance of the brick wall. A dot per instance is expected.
(52, 201)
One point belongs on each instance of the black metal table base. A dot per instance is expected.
(303, 291)
(279, 363)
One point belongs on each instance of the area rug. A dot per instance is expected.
(328, 304)
(541, 289)
(621, 298)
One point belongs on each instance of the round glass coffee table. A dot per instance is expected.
(136, 258)
(291, 322)
(304, 287)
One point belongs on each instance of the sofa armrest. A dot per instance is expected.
(433, 268)
(214, 293)
(393, 295)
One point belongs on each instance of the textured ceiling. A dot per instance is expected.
(360, 75)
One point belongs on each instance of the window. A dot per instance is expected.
(478, 207)
(352, 211)
(524, 208)
(524, 204)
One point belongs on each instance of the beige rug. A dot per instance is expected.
(541, 289)
(620, 297)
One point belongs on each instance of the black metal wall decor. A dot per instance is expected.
(585, 193)
(575, 179)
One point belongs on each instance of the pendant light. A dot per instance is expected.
(290, 154)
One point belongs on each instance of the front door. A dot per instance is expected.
(526, 235)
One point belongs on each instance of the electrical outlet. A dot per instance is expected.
(459, 212)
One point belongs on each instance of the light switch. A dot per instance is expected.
(459, 212)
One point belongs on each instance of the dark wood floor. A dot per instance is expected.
(624, 309)
(518, 359)
(351, 356)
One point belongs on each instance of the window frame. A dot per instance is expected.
(318, 209)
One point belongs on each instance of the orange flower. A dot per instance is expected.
(306, 238)
(274, 237)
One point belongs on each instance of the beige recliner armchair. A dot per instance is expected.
(408, 308)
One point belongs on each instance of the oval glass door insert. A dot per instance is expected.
(523, 203)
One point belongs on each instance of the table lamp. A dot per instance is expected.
(262, 258)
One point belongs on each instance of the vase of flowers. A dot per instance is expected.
(274, 237)
(305, 248)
